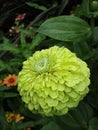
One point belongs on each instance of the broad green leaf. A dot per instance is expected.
(51, 126)
(65, 28)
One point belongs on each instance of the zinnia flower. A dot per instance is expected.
(53, 81)
(14, 117)
(10, 80)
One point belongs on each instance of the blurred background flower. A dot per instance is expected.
(10, 80)
(14, 117)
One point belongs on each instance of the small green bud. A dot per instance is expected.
(94, 5)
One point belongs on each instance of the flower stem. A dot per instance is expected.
(92, 23)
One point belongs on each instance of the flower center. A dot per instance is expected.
(42, 65)
(11, 80)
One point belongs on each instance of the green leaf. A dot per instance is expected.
(8, 94)
(92, 99)
(37, 40)
(13, 104)
(2, 65)
(95, 34)
(65, 28)
(14, 126)
(84, 9)
(93, 124)
(95, 14)
(7, 66)
(51, 126)
(23, 40)
(38, 121)
(69, 120)
(40, 7)
(3, 88)
(3, 122)
(86, 111)
(26, 124)
(94, 8)
(83, 50)
(79, 117)
(62, 6)
(7, 46)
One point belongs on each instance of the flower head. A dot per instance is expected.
(14, 117)
(10, 80)
(20, 17)
(53, 81)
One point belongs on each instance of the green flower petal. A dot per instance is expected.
(51, 102)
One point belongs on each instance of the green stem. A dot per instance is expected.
(92, 23)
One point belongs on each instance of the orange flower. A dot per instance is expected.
(9, 117)
(10, 80)
(18, 117)
(14, 117)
